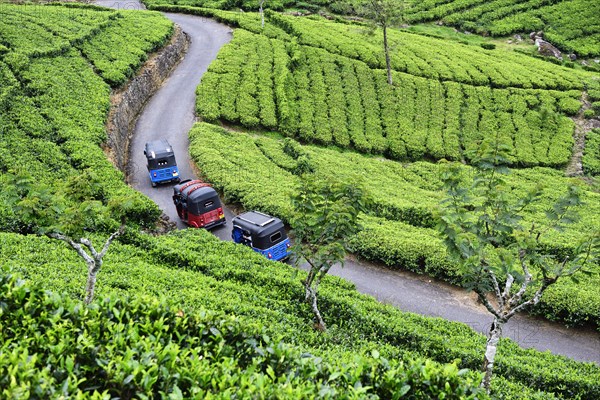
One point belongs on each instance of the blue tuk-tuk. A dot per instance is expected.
(263, 233)
(162, 166)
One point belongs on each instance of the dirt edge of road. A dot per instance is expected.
(128, 101)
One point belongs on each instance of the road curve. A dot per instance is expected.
(170, 114)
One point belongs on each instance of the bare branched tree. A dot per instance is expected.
(486, 228)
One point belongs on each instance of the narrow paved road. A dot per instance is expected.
(170, 114)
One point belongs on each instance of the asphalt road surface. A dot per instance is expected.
(170, 114)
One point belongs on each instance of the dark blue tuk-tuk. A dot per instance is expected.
(161, 162)
(263, 233)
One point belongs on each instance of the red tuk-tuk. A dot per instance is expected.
(198, 204)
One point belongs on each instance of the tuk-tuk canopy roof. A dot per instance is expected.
(195, 191)
(258, 224)
(158, 149)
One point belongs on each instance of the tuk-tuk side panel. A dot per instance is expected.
(236, 234)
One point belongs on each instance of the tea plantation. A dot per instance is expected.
(440, 107)
(572, 25)
(184, 315)
(325, 88)
(322, 97)
(54, 104)
(196, 272)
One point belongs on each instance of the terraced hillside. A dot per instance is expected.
(572, 25)
(54, 100)
(195, 272)
(327, 96)
(330, 88)
(258, 172)
(56, 84)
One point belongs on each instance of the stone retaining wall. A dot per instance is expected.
(127, 102)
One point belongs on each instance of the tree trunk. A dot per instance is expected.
(388, 63)
(311, 296)
(91, 283)
(308, 284)
(262, 15)
(490, 352)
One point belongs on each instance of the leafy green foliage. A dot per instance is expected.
(54, 106)
(325, 215)
(484, 231)
(124, 44)
(195, 271)
(591, 154)
(142, 347)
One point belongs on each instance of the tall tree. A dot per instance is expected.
(385, 14)
(486, 229)
(70, 213)
(325, 216)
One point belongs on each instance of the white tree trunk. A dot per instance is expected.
(311, 295)
(490, 352)
(91, 284)
(262, 15)
(93, 260)
(388, 62)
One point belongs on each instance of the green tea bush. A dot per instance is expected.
(195, 271)
(591, 153)
(54, 105)
(330, 99)
(141, 347)
(568, 24)
(123, 45)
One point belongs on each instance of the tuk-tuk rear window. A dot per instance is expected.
(275, 237)
(163, 162)
(209, 203)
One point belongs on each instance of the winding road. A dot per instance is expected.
(170, 114)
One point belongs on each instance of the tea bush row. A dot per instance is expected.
(140, 346)
(257, 173)
(124, 45)
(571, 24)
(195, 271)
(53, 122)
(38, 31)
(413, 54)
(591, 153)
(320, 97)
